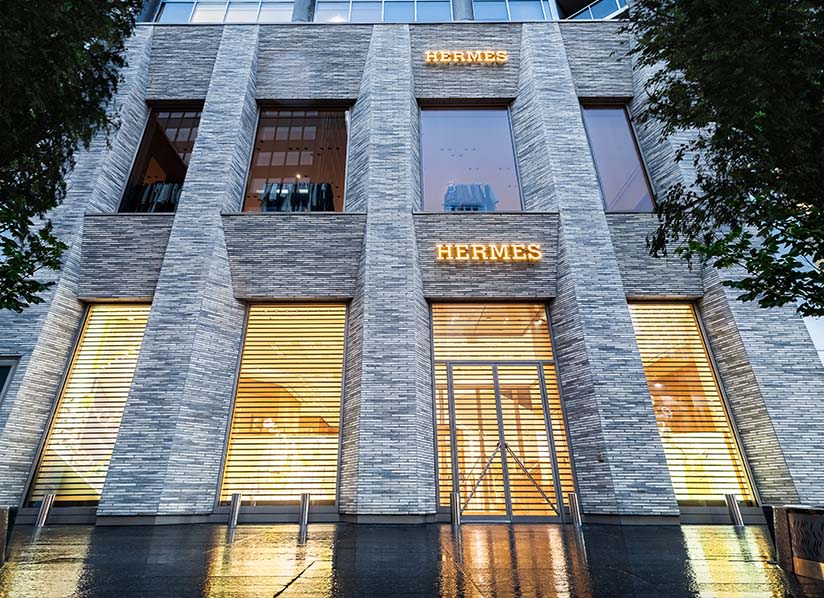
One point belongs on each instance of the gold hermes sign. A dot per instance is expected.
(465, 56)
(488, 252)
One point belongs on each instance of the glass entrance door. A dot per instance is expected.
(503, 465)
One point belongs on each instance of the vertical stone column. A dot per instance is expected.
(388, 461)
(43, 334)
(171, 440)
(619, 460)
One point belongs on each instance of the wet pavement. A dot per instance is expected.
(347, 560)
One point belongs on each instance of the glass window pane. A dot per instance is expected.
(816, 328)
(175, 12)
(286, 417)
(301, 170)
(5, 371)
(332, 12)
(623, 180)
(399, 12)
(162, 160)
(468, 161)
(275, 12)
(366, 12)
(489, 11)
(603, 9)
(434, 12)
(242, 12)
(526, 11)
(208, 13)
(75, 458)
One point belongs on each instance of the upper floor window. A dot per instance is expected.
(162, 160)
(6, 368)
(617, 159)
(598, 10)
(206, 11)
(816, 328)
(386, 11)
(468, 161)
(510, 10)
(298, 162)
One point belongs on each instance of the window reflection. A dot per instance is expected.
(162, 160)
(298, 163)
(215, 11)
(468, 161)
(617, 159)
(386, 11)
(816, 328)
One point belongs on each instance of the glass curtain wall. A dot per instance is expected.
(160, 167)
(79, 445)
(617, 159)
(386, 11)
(468, 161)
(215, 11)
(298, 162)
(502, 441)
(286, 419)
(704, 459)
(511, 10)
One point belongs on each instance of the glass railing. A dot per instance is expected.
(601, 9)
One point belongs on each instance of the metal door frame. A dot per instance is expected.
(556, 482)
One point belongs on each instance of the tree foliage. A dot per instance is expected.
(743, 82)
(60, 64)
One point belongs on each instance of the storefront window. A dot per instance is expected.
(79, 446)
(702, 454)
(468, 161)
(286, 420)
(617, 159)
(215, 11)
(298, 163)
(162, 160)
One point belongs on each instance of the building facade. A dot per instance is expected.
(386, 264)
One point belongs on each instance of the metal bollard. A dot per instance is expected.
(455, 504)
(234, 509)
(734, 510)
(45, 507)
(303, 523)
(575, 509)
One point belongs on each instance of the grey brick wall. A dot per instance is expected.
(493, 280)
(388, 461)
(646, 276)
(598, 59)
(379, 254)
(618, 455)
(171, 440)
(121, 255)
(294, 256)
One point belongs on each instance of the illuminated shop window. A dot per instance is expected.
(205, 11)
(704, 460)
(617, 159)
(468, 161)
(285, 425)
(510, 10)
(79, 445)
(386, 11)
(500, 425)
(160, 168)
(298, 163)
